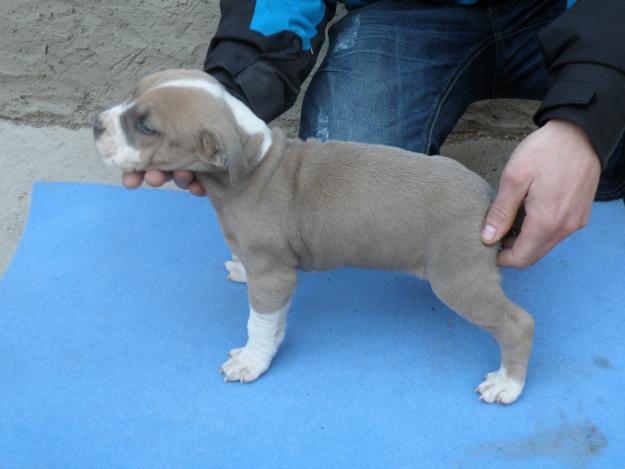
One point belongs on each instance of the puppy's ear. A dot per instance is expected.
(244, 159)
(239, 165)
(211, 150)
(225, 150)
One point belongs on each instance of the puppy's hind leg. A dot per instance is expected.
(475, 293)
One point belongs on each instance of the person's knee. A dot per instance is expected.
(346, 111)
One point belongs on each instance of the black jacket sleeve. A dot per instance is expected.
(584, 50)
(265, 71)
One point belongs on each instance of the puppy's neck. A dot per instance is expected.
(217, 185)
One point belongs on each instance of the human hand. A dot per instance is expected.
(555, 172)
(155, 178)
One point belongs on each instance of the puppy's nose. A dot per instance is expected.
(98, 125)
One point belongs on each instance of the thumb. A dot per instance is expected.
(503, 210)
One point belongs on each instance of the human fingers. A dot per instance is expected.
(133, 179)
(156, 178)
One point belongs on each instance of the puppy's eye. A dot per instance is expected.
(144, 128)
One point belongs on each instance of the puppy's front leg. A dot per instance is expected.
(266, 325)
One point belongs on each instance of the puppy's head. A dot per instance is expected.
(182, 119)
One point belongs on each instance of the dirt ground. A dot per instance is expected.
(62, 61)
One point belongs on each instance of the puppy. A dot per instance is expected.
(286, 204)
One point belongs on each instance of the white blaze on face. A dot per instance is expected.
(112, 144)
(244, 117)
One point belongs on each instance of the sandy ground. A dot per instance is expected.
(61, 61)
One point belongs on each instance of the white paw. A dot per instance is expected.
(499, 387)
(244, 365)
(236, 271)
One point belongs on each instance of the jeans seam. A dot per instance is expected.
(429, 128)
(496, 33)
(508, 34)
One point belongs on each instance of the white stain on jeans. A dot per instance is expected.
(347, 38)
(322, 132)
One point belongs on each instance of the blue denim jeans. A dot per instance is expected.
(402, 73)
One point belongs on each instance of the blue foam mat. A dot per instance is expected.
(115, 316)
